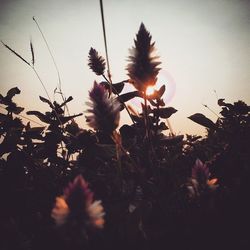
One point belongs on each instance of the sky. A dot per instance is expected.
(204, 47)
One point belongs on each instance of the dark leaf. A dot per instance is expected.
(12, 92)
(170, 140)
(117, 87)
(32, 53)
(18, 110)
(161, 103)
(163, 126)
(13, 108)
(35, 132)
(35, 129)
(65, 119)
(157, 93)
(127, 131)
(138, 119)
(43, 99)
(153, 103)
(202, 120)
(15, 53)
(161, 91)
(128, 96)
(42, 117)
(164, 112)
(72, 128)
(69, 99)
(221, 102)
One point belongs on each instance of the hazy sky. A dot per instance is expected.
(203, 45)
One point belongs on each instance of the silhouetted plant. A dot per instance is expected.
(154, 189)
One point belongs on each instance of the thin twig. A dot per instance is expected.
(52, 57)
(54, 62)
(105, 40)
(210, 110)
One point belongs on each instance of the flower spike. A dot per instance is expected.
(104, 110)
(77, 204)
(96, 62)
(143, 67)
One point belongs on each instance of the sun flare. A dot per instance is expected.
(150, 90)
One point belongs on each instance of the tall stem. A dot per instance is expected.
(123, 104)
(146, 115)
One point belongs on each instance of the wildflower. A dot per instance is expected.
(104, 112)
(60, 211)
(96, 62)
(142, 68)
(200, 181)
(77, 204)
(200, 172)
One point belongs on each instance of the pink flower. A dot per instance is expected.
(200, 181)
(104, 111)
(77, 204)
(200, 172)
(143, 64)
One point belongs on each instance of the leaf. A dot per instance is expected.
(161, 91)
(65, 119)
(43, 99)
(42, 117)
(32, 53)
(221, 102)
(128, 96)
(202, 120)
(157, 93)
(15, 53)
(163, 126)
(13, 108)
(117, 87)
(12, 92)
(164, 112)
(34, 132)
(18, 110)
(170, 140)
(70, 98)
(153, 103)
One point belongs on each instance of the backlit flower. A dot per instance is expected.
(77, 204)
(60, 211)
(200, 181)
(200, 172)
(104, 112)
(96, 62)
(143, 67)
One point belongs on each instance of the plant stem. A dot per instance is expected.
(123, 104)
(146, 115)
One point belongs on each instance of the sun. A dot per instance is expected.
(150, 90)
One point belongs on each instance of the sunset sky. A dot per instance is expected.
(203, 45)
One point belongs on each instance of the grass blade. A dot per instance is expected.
(32, 53)
(14, 52)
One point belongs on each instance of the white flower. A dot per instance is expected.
(60, 211)
(96, 213)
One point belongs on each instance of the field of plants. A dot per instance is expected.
(120, 186)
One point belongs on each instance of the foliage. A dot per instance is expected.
(154, 191)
